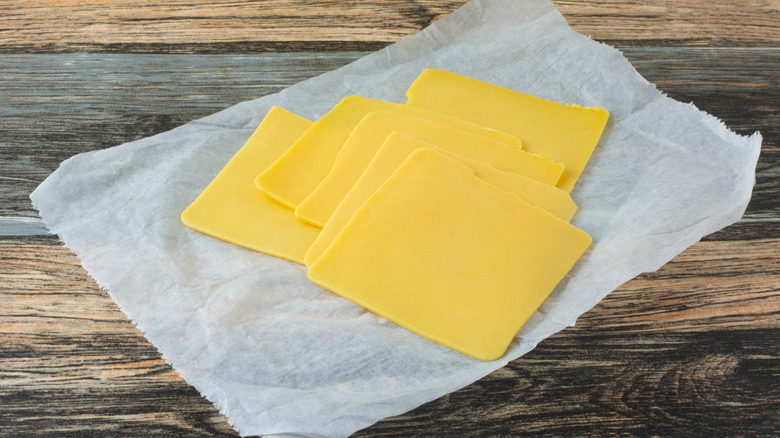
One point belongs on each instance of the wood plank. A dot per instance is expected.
(70, 360)
(688, 350)
(737, 85)
(713, 285)
(746, 230)
(22, 226)
(637, 23)
(111, 25)
(712, 384)
(203, 26)
(57, 106)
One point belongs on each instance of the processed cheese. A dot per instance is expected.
(232, 209)
(299, 171)
(564, 133)
(395, 150)
(371, 132)
(431, 214)
(449, 256)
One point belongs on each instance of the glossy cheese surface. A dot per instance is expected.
(301, 169)
(449, 256)
(231, 208)
(396, 149)
(564, 133)
(370, 134)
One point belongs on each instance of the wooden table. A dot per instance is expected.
(689, 350)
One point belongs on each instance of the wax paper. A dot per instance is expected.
(281, 356)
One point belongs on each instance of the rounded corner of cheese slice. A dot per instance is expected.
(295, 174)
(231, 208)
(449, 256)
(564, 133)
(187, 215)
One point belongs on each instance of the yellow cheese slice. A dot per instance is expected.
(371, 132)
(395, 150)
(232, 209)
(546, 196)
(298, 172)
(449, 256)
(564, 133)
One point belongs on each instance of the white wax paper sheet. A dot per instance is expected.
(281, 356)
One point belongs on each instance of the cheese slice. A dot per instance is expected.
(449, 256)
(232, 209)
(298, 172)
(564, 133)
(371, 132)
(545, 196)
(395, 150)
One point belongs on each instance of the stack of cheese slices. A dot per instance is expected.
(448, 215)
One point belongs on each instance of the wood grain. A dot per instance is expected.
(612, 383)
(201, 26)
(97, 101)
(681, 330)
(68, 352)
(109, 25)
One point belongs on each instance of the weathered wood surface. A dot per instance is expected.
(689, 350)
(219, 27)
(95, 101)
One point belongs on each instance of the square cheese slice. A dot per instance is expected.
(232, 209)
(449, 256)
(371, 132)
(301, 169)
(564, 133)
(396, 149)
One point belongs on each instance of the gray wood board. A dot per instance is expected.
(250, 26)
(58, 105)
